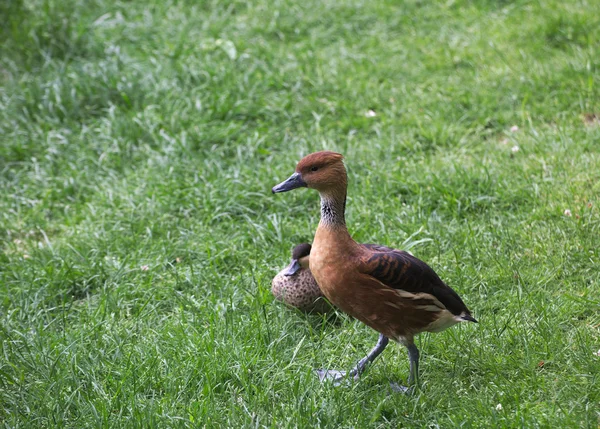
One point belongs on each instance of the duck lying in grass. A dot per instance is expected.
(296, 286)
(389, 290)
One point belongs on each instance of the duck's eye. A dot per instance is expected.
(314, 168)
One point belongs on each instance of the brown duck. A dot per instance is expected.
(389, 290)
(296, 286)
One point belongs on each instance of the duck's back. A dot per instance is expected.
(402, 271)
(299, 290)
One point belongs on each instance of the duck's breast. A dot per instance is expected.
(330, 262)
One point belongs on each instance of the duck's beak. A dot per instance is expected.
(293, 182)
(292, 269)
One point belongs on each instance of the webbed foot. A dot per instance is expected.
(398, 388)
(333, 375)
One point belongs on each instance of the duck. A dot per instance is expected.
(389, 290)
(296, 286)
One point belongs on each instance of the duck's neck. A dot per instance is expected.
(333, 206)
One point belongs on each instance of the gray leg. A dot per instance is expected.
(413, 378)
(382, 342)
(413, 357)
(336, 376)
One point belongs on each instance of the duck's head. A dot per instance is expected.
(300, 255)
(323, 171)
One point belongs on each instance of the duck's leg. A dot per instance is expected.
(336, 376)
(413, 377)
(413, 358)
(382, 342)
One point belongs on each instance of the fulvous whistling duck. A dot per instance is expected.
(296, 286)
(389, 290)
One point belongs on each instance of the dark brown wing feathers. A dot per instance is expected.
(400, 270)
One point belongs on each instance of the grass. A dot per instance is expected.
(139, 143)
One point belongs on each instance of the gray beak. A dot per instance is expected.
(292, 269)
(294, 181)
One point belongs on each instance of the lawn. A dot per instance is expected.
(139, 141)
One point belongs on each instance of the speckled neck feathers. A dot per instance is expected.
(332, 210)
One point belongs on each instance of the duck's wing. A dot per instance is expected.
(377, 247)
(401, 271)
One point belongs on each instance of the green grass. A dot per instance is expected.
(149, 133)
